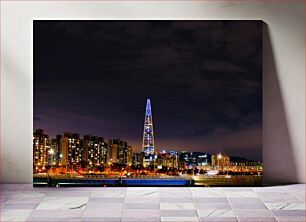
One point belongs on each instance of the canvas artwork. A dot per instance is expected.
(147, 103)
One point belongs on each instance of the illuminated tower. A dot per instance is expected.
(148, 136)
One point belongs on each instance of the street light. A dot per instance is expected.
(51, 152)
(155, 157)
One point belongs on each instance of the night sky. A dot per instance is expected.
(204, 79)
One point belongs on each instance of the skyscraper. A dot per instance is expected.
(94, 150)
(119, 151)
(41, 146)
(148, 136)
(71, 149)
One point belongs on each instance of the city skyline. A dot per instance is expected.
(135, 151)
(204, 78)
(93, 160)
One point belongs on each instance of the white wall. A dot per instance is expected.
(284, 77)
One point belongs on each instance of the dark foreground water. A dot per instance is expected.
(216, 180)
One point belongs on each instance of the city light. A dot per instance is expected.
(77, 157)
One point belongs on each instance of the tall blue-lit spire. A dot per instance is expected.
(148, 136)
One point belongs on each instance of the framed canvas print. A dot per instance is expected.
(147, 103)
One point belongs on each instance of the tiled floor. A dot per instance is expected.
(22, 202)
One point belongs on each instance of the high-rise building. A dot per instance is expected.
(119, 151)
(129, 155)
(148, 135)
(52, 153)
(113, 152)
(137, 159)
(170, 160)
(102, 151)
(58, 144)
(71, 149)
(220, 160)
(194, 159)
(64, 151)
(41, 146)
(94, 150)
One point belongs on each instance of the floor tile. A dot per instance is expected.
(28, 194)
(101, 219)
(23, 202)
(177, 206)
(109, 193)
(175, 200)
(248, 206)
(176, 193)
(142, 192)
(10, 187)
(3, 200)
(141, 213)
(273, 197)
(216, 213)
(57, 193)
(253, 219)
(105, 200)
(289, 213)
(55, 219)
(57, 213)
(218, 219)
(103, 213)
(65, 203)
(141, 219)
(291, 219)
(15, 214)
(296, 186)
(254, 213)
(178, 219)
(210, 200)
(285, 206)
(19, 206)
(300, 195)
(207, 193)
(99, 205)
(29, 187)
(179, 213)
(141, 206)
(238, 189)
(108, 188)
(174, 189)
(141, 200)
(240, 194)
(275, 189)
(281, 200)
(245, 200)
(224, 205)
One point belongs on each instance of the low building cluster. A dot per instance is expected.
(70, 149)
(94, 154)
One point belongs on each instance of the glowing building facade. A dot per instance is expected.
(148, 135)
(41, 147)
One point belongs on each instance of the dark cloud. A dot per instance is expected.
(221, 66)
(204, 79)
